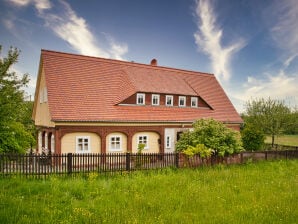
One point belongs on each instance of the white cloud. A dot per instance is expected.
(73, 29)
(284, 28)
(208, 39)
(281, 17)
(20, 2)
(117, 50)
(279, 86)
(40, 5)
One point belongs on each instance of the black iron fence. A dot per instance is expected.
(62, 164)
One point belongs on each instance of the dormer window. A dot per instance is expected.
(182, 101)
(140, 99)
(194, 101)
(155, 99)
(169, 100)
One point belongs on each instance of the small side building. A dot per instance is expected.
(94, 105)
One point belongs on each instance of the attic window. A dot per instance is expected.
(155, 99)
(140, 99)
(194, 101)
(169, 100)
(182, 101)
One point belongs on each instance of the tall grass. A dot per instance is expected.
(266, 192)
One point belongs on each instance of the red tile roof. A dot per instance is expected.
(83, 88)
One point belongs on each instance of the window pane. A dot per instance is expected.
(143, 140)
(182, 100)
(115, 143)
(140, 98)
(83, 144)
(155, 99)
(168, 142)
(169, 100)
(194, 101)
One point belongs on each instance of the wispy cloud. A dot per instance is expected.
(117, 50)
(279, 86)
(283, 30)
(208, 39)
(40, 5)
(281, 17)
(73, 29)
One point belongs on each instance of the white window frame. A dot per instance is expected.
(45, 95)
(172, 99)
(139, 96)
(83, 150)
(157, 97)
(140, 140)
(111, 147)
(184, 100)
(168, 142)
(194, 100)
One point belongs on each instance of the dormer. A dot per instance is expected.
(165, 100)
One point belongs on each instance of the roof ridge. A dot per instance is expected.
(130, 63)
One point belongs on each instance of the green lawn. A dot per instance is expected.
(265, 192)
(291, 140)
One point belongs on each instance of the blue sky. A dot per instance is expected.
(251, 46)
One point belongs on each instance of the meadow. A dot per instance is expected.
(290, 140)
(264, 192)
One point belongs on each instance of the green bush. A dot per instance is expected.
(213, 135)
(199, 149)
(252, 138)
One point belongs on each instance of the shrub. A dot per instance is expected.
(252, 138)
(213, 135)
(199, 149)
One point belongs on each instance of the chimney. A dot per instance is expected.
(153, 62)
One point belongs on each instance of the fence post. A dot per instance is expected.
(177, 159)
(128, 161)
(266, 155)
(69, 163)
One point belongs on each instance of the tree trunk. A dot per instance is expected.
(272, 143)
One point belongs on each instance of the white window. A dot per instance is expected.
(194, 101)
(155, 99)
(168, 141)
(140, 98)
(115, 143)
(43, 97)
(82, 144)
(143, 139)
(182, 101)
(169, 100)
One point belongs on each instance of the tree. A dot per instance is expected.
(252, 138)
(214, 135)
(292, 128)
(14, 136)
(270, 116)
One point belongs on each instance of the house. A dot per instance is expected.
(94, 105)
